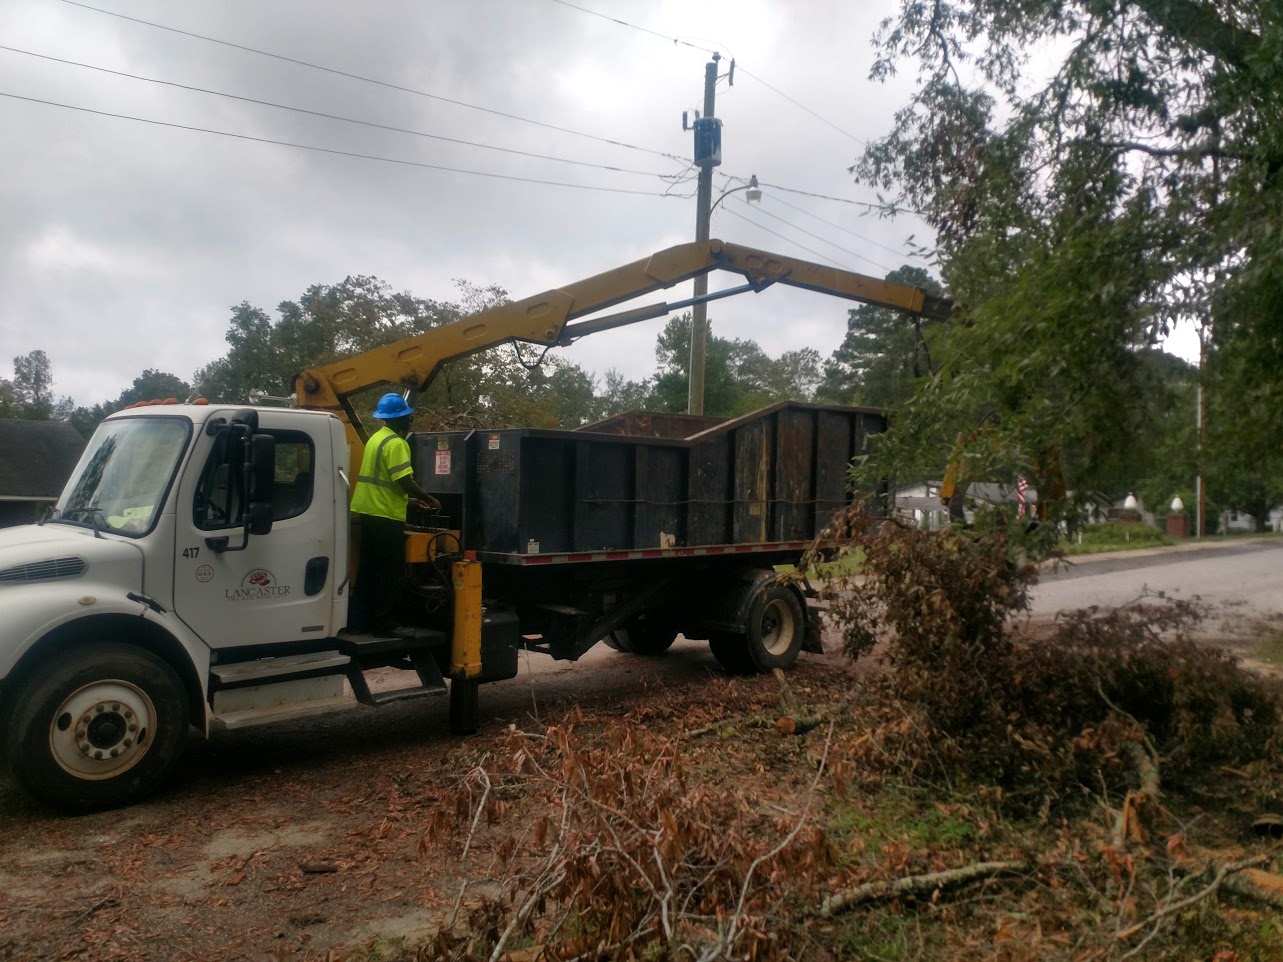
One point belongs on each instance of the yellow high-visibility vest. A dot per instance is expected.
(386, 460)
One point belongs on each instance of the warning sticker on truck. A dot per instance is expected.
(492, 442)
(443, 462)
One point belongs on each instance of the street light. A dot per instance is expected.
(753, 196)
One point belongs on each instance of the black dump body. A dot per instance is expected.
(639, 486)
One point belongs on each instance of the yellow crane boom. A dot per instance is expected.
(411, 363)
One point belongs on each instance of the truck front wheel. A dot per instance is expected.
(96, 726)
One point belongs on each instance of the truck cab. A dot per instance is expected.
(147, 574)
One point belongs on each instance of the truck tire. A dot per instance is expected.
(642, 638)
(96, 727)
(776, 628)
(619, 640)
(731, 652)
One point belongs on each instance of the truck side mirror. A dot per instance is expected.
(252, 459)
(262, 468)
(260, 482)
(258, 517)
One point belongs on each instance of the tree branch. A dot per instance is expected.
(1199, 25)
(1178, 153)
(1172, 908)
(916, 885)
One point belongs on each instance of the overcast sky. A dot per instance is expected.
(125, 244)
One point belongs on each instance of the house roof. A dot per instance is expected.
(37, 457)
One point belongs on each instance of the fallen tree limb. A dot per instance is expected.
(1225, 877)
(916, 884)
(798, 725)
(730, 721)
(787, 702)
(1138, 807)
(1255, 884)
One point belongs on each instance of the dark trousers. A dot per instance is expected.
(380, 576)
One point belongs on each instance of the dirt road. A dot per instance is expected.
(298, 836)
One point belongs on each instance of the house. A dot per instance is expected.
(1239, 522)
(36, 458)
(921, 502)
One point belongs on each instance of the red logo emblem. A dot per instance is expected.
(259, 578)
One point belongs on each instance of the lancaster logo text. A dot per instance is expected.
(259, 585)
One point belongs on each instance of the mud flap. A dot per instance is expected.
(813, 640)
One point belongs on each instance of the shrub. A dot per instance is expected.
(1039, 714)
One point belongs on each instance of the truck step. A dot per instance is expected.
(247, 672)
(407, 694)
(249, 717)
(431, 682)
(357, 645)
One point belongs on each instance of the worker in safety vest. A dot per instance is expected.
(383, 489)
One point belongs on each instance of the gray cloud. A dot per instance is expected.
(126, 244)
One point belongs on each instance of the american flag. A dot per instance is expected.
(1021, 487)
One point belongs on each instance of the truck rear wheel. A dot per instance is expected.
(100, 726)
(731, 652)
(642, 637)
(776, 628)
(773, 635)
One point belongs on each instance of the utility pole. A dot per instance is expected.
(708, 154)
(1200, 511)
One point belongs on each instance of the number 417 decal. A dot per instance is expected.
(191, 552)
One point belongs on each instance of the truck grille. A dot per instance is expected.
(44, 570)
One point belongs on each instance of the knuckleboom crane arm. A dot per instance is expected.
(550, 318)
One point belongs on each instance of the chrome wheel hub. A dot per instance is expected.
(102, 729)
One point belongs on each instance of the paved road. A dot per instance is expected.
(1248, 576)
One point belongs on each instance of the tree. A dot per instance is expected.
(884, 352)
(620, 394)
(1165, 464)
(29, 395)
(738, 375)
(1083, 212)
(151, 385)
(497, 388)
(1244, 466)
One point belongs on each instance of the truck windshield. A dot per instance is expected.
(121, 480)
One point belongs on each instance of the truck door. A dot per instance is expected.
(280, 588)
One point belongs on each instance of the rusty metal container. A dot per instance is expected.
(628, 487)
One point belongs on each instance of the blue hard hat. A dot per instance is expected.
(391, 407)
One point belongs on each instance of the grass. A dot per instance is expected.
(1123, 536)
(1116, 536)
(1271, 649)
(919, 820)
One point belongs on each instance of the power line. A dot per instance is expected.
(335, 151)
(742, 69)
(731, 177)
(625, 23)
(319, 113)
(818, 237)
(831, 223)
(790, 240)
(371, 80)
(841, 200)
(802, 106)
